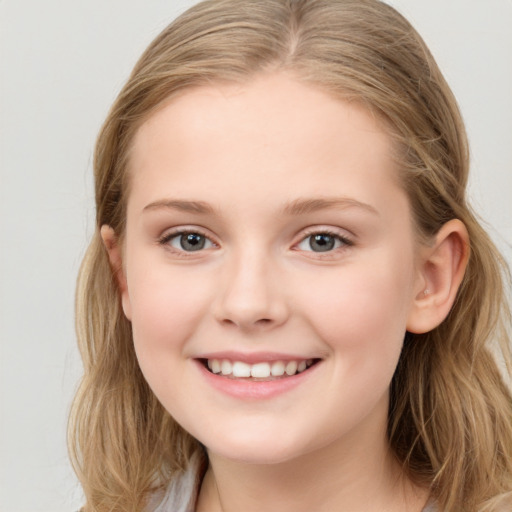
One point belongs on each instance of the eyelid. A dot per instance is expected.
(168, 235)
(345, 239)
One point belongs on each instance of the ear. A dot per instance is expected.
(441, 269)
(114, 250)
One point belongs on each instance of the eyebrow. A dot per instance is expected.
(303, 206)
(181, 205)
(296, 207)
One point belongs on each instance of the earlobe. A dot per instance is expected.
(441, 271)
(114, 250)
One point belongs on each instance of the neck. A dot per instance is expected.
(350, 474)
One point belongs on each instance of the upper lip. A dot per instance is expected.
(254, 357)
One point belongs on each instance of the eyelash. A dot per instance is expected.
(343, 240)
(166, 238)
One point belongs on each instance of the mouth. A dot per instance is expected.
(260, 371)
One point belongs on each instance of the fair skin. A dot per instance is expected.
(299, 247)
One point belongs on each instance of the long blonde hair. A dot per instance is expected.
(450, 418)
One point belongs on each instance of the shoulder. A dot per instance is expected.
(181, 494)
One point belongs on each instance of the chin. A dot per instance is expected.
(256, 451)
(256, 457)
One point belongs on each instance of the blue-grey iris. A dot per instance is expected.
(321, 242)
(192, 242)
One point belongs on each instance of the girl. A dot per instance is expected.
(288, 303)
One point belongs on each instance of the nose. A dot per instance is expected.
(251, 296)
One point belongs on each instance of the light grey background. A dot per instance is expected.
(61, 64)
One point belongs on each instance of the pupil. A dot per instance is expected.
(192, 242)
(321, 243)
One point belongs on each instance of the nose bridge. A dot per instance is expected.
(250, 296)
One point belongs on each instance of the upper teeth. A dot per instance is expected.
(258, 370)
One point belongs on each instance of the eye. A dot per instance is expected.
(323, 242)
(189, 241)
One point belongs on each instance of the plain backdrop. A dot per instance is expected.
(62, 63)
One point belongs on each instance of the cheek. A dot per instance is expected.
(362, 310)
(166, 308)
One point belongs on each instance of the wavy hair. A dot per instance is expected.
(450, 417)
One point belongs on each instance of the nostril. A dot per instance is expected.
(262, 322)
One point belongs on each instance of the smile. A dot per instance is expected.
(256, 376)
(261, 370)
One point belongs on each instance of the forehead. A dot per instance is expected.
(258, 107)
(273, 133)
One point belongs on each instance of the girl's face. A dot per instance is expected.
(267, 234)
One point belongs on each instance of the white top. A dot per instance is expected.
(181, 494)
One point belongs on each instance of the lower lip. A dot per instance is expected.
(256, 390)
